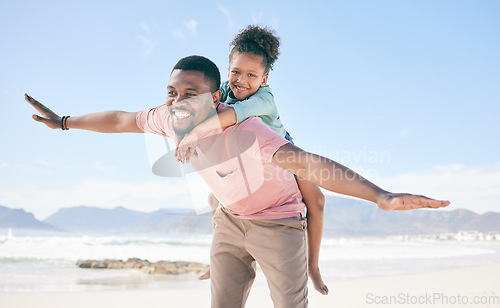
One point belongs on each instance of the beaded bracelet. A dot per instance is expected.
(63, 122)
(66, 120)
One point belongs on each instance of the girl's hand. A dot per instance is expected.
(187, 147)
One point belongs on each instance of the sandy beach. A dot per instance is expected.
(461, 287)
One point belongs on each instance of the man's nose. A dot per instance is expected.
(180, 100)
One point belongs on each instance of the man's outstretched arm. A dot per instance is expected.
(337, 178)
(103, 122)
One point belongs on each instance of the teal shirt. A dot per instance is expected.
(260, 104)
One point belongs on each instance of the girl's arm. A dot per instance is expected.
(187, 146)
(261, 103)
(223, 119)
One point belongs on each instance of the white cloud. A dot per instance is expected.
(191, 26)
(179, 34)
(148, 43)
(100, 166)
(144, 27)
(275, 23)
(403, 133)
(44, 163)
(256, 17)
(3, 165)
(473, 188)
(228, 16)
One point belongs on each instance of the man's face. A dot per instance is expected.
(189, 100)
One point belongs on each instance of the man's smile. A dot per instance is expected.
(181, 114)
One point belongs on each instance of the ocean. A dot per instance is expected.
(34, 261)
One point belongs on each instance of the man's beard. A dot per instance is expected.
(183, 131)
(183, 128)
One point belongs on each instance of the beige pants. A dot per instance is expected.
(279, 246)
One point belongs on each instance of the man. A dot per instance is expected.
(249, 169)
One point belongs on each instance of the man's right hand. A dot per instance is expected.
(48, 117)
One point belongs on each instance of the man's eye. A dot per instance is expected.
(252, 75)
(171, 93)
(191, 94)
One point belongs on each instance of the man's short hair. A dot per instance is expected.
(204, 65)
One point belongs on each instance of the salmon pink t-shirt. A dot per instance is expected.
(235, 162)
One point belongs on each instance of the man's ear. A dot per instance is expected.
(264, 80)
(216, 98)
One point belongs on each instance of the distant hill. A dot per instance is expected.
(86, 218)
(173, 221)
(343, 217)
(19, 219)
(354, 217)
(120, 219)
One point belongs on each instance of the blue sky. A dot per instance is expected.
(405, 92)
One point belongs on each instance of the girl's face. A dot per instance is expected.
(246, 74)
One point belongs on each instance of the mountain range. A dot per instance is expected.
(343, 217)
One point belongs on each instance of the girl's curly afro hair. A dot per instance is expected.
(258, 41)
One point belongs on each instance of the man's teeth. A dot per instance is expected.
(181, 114)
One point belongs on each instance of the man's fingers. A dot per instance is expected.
(412, 202)
(33, 102)
(37, 118)
(445, 203)
(432, 203)
(37, 105)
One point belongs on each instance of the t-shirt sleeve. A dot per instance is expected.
(266, 141)
(261, 103)
(155, 121)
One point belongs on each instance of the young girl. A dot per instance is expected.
(247, 93)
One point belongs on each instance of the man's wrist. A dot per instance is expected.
(380, 195)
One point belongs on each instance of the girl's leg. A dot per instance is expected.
(315, 202)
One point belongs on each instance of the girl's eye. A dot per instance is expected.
(252, 75)
(235, 72)
(171, 93)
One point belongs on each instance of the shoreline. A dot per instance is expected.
(437, 289)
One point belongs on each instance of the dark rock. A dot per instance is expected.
(160, 267)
